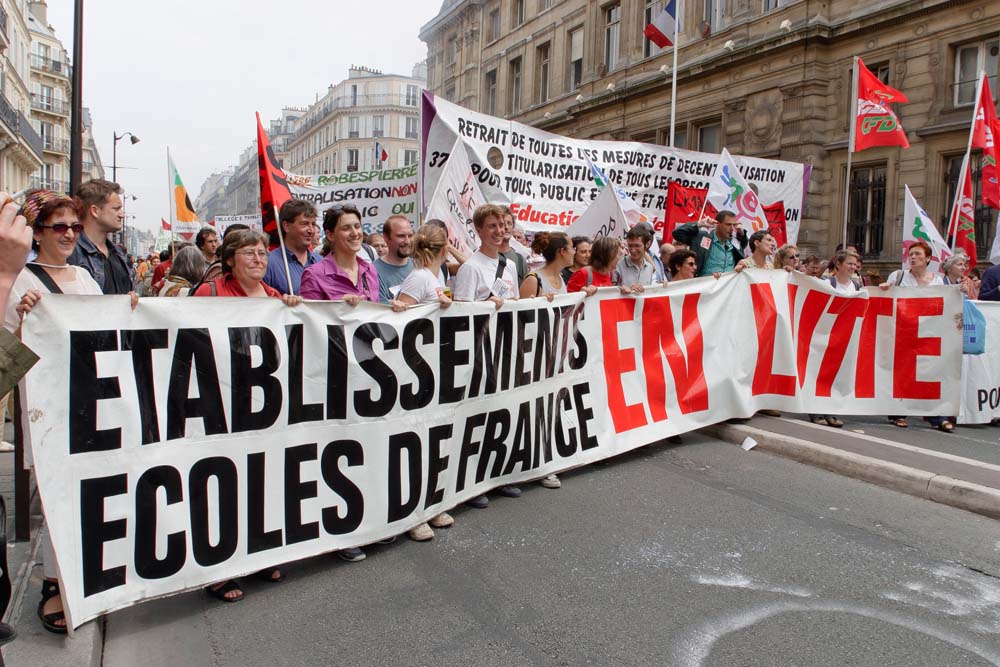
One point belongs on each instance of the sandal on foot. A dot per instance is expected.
(50, 589)
(946, 426)
(219, 593)
(900, 422)
(269, 575)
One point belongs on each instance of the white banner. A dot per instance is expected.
(196, 440)
(455, 200)
(376, 194)
(981, 373)
(222, 222)
(545, 179)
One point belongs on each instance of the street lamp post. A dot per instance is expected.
(114, 152)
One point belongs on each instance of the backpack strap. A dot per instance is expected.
(51, 285)
(538, 282)
(899, 278)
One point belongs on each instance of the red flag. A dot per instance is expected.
(984, 133)
(776, 223)
(876, 124)
(684, 204)
(165, 225)
(273, 189)
(963, 222)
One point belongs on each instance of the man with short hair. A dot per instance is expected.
(297, 218)
(633, 269)
(102, 216)
(207, 241)
(666, 250)
(520, 263)
(488, 275)
(396, 264)
(718, 244)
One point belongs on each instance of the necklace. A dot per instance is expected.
(51, 266)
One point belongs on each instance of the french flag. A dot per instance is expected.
(380, 152)
(661, 31)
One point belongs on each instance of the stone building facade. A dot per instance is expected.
(338, 132)
(51, 99)
(20, 146)
(769, 78)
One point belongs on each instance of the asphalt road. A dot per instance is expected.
(697, 554)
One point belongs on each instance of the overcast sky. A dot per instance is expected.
(190, 74)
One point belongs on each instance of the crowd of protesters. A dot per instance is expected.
(332, 259)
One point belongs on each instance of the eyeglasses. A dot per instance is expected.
(345, 208)
(62, 227)
(793, 257)
(259, 254)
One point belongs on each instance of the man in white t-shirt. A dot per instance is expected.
(488, 276)
(846, 264)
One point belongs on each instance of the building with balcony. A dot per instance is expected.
(92, 167)
(50, 98)
(769, 78)
(338, 132)
(282, 130)
(213, 198)
(21, 148)
(243, 188)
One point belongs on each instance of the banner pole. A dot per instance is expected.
(170, 205)
(284, 255)
(960, 186)
(420, 164)
(673, 83)
(850, 147)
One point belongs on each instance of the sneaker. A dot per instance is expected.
(6, 446)
(442, 520)
(479, 502)
(388, 540)
(351, 555)
(510, 491)
(551, 482)
(421, 533)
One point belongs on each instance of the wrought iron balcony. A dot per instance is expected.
(56, 67)
(49, 104)
(56, 145)
(55, 185)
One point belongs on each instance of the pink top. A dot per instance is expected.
(325, 281)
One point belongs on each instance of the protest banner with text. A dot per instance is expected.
(546, 181)
(186, 443)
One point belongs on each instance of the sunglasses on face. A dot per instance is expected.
(63, 227)
(345, 208)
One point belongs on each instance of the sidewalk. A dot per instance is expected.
(35, 646)
(969, 481)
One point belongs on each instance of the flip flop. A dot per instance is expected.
(220, 592)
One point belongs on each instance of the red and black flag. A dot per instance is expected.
(273, 188)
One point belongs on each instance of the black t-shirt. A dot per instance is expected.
(116, 278)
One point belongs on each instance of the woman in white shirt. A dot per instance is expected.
(557, 249)
(56, 223)
(430, 252)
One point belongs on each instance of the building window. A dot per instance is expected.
(411, 95)
(709, 138)
(515, 86)
(653, 9)
(378, 126)
(352, 159)
(409, 157)
(969, 61)
(612, 35)
(411, 128)
(353, 125)
(490, 93)
(543, 5)
(449, 92)
(542, 73)
(983, 215)
(771, 4)
(451, 54)
(494, 26)
(517, 13)
(713, 15)
(866, 212)
(354, 95)
(575, 77)
(680, 137)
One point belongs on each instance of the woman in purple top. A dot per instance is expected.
(342, 275)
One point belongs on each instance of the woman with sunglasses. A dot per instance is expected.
(55, 221)
(343, 275)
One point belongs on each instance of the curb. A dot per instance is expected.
(912, 481)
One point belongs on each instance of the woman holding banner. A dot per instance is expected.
(243, 259)
(557, 249)
(604, 253)
(918, 275)
(423, 285)
(955, 269)
(56, 224)
(342, 275)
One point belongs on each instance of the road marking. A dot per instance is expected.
(890, 443)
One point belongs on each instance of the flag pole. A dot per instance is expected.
(953, 221)
(673, 72)
(170, 204)
(850, 146)
(284, 255)
(420, 164)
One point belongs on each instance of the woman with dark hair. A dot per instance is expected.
(243, 258)
(557, 249)
(683, 265)
(343, 275)
(582, 248)
(604, 253)
(762, 247)
(55, 221)
(185, 272)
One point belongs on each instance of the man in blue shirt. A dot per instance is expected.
(718, 244)
(297, 218)
(396, 264)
